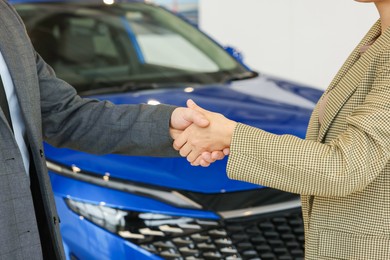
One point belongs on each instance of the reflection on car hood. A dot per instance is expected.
(272, 105)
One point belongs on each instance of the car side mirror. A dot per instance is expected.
(235, 54)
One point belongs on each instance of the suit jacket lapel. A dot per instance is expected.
(21, 65)
(348, 78)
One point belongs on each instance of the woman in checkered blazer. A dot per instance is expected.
(341, 169)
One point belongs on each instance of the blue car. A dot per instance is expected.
(132, 207)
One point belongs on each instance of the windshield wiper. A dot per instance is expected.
(240, 76)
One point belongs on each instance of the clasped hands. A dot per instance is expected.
(200, 135)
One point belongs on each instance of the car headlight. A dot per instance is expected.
(166, 235)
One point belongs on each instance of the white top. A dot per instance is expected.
(15, 112)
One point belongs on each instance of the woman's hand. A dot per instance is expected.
(204, 145)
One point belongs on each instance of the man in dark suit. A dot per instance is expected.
(37, 106)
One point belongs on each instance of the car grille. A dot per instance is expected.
(277, 235)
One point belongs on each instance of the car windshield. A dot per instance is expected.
(127, 44)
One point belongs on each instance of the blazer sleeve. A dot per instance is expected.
(339, 168)
(100, 127)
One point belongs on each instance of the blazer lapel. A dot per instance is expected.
(21, 65)
(348, 78)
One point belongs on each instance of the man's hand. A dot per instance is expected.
(212, 141)
(183, 117)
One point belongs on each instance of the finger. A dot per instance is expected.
(195, 164)
(226, 151)
(180, 140)
(185, 151)
(192, 156)
(203, 163)
(206, 156)
(196, 117)
(174, 133)
(217, 155)
(191, 104)
(197, 161)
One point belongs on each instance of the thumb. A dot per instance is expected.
(191, 104)
(195, 116)
(198, 118)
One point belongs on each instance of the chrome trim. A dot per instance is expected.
(260, 210)
(172, 197)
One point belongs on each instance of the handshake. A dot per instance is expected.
(200, 135)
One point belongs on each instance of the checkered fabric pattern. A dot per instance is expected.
(342, 169)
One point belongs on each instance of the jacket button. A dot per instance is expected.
(55, 220)
(41, 152)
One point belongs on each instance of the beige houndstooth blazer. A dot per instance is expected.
(342, 169)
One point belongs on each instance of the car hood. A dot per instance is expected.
(268, 103)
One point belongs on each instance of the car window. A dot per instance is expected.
(153, 37)
(91, 46)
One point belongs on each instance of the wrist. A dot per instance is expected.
(230, 130)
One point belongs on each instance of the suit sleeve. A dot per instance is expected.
(344, 166)
(100, 127)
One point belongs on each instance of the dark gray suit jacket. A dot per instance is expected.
(53, 112)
